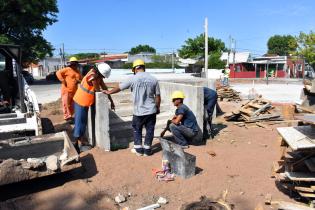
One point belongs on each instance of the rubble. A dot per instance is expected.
(120, 198)
(228, 93)
(162, 201)
(258, 109)
(52, 163)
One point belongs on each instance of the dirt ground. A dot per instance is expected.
(240, 163)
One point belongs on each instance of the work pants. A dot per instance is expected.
(80, 120)
(182, 134)
(67, 104)
(148, 121)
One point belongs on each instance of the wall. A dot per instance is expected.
(194, 98)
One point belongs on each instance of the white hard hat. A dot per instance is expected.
(104, 69)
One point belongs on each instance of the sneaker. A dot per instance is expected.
(135, 152)
(147, 152)
(185, 146)
(84, 148)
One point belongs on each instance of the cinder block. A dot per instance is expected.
(182, 163)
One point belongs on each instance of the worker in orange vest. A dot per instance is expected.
(85, 97)
(70, 77)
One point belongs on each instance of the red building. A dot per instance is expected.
(276, 66)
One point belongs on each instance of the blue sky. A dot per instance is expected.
(117, 25)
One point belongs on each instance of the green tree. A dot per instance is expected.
(142, 48)
(22, 23)
(214, 61)
(194, 48)
(306, 47)
(86, 56)
(282, 45)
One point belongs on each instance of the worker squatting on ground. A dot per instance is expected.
(85, 97)
(210, 100)
(184, 125)
(146, 100)
(70, 77)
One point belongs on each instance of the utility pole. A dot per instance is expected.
(206, 47)
(229, 51)
(61, 59)
(173, 66)
(234, 47)
(63, 55)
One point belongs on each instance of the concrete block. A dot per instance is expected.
(90, 130)
(182, 163)
(102, 138)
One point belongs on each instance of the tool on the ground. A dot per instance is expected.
(167, 128)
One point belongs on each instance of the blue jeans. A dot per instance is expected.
(182, 134)
(80, 120)
(148, 121)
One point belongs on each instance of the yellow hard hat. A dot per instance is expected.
(73, 59)
(178, 94)
(137, 62)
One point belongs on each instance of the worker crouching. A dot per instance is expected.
(184, 125)
(85, 97)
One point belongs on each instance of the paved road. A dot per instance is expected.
(281, 93)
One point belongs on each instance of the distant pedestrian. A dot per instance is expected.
(146, 101)
(85, 97)
(226, 76)
(70, 77)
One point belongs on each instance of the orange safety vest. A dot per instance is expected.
(85, 95)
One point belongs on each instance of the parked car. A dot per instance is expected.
(52, 77)
(28, 77)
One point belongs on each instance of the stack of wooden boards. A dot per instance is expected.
(228, 93)
(258, 109)
(295, 170)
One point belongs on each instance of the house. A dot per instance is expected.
(145, 56)
(244, 66)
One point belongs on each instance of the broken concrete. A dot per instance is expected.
(52, 163)
(182, 163)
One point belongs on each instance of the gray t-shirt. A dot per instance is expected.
(144, 88)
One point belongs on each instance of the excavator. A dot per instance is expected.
(25, 152)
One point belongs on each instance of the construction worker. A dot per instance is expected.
(210, 100)
(85, 97)
(184, 125)
(226, 76)
(146, 100)
(69, 77)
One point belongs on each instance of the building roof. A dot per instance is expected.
(240, 57)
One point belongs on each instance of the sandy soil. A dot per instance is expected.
(241, 165)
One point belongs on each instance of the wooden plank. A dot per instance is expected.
(291, 206)
(307, 118)
(307, 195)
(265, 117)
(306, 109)
(261, 109)
(245, 111)
(300, 176)
(310, 163)
(300, 137)
(304, 189)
